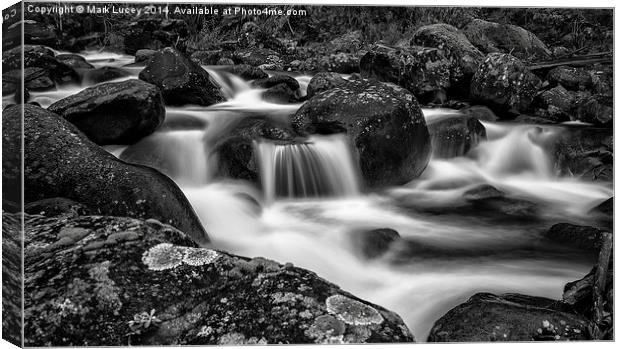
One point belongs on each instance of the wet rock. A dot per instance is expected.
(142, 56)
(114, 113)
(248, 72)
(585, 153)
(594, 109)
(556, 104)
(480, 112)
(56, 207)
(384, 123)
(504, 83)
(12, 277)
(606, 207)
(225, 61)
(571, 78)
(74, 61)
(455, 136)
(276, 80)
(61, 162)
(181, 80)
(257, 57)
(237, 158)
(29, 32)
(509, 317)
(463, 56)
(582, 237)
(423, 71)
(324, 81)
(103, 74)
(482, 192)
(280, 88)
(374, 243)
(100, 279)
(39, 57)
(492, 37)
(35, 79)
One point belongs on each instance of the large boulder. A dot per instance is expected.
(248, 72)
(384, 123)
(492, 37)
(279, 88)
(505, 84)
(112, 281)
(585, 153)
(35, 79)
(116, 112)
(423, 71)
(322, 82)
(487, 317)
(570, 77)
(181, 81)
(36, 56)
(555, 104)
(237, 158)
(596, 109)
(60, 161)
(74, 61)
(464, 57)
(455, 136)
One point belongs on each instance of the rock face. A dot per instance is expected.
(464, 57)
(509, 317)
(237, 158)
(423, 71)
(494, 37)
(504, 83)
(97, 280)
(61, 162)
(383, 122)
(455, 136)
(114, 113)
(181, 81)
(324, 81)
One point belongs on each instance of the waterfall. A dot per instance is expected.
(322, 167)
(231, 84)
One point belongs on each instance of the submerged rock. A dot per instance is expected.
(374, 243)
(114, 113)
(504, 83)
(61, 162)
(127, 281)
(487, 317)
(384, 123)
(181, 80)
(455, 136)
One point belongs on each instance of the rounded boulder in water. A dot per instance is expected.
(61, 162)
(384, 124)
(114, 113)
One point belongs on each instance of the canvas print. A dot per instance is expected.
(238, 174)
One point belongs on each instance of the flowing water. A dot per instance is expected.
(310, 204)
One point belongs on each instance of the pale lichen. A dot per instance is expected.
(199, 256)
(163, 256)
(352, 312)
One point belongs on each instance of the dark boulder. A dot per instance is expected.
(480, 112)
(237, 158)
(581, 237)
(492, 37)
(114, 113)
(606, 207)
(225, 61)
(142, 56)
(74, 61)
(585, 153)
(280, 88)
(103, 74)
(384, 123)
(455, 136)
(56, 207)
(594, 109)
(257, 57)
(463, 56)
(487, 317)
(61, 162)
(555, 104)
(570, 77)
(35, 79)
(39, 57)
(248, 72)
(504, 83)
(276, 80)
(127, 281)
(374, 243)
(324, 81)
(181, 81)
(152, 33)
(423, 71)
